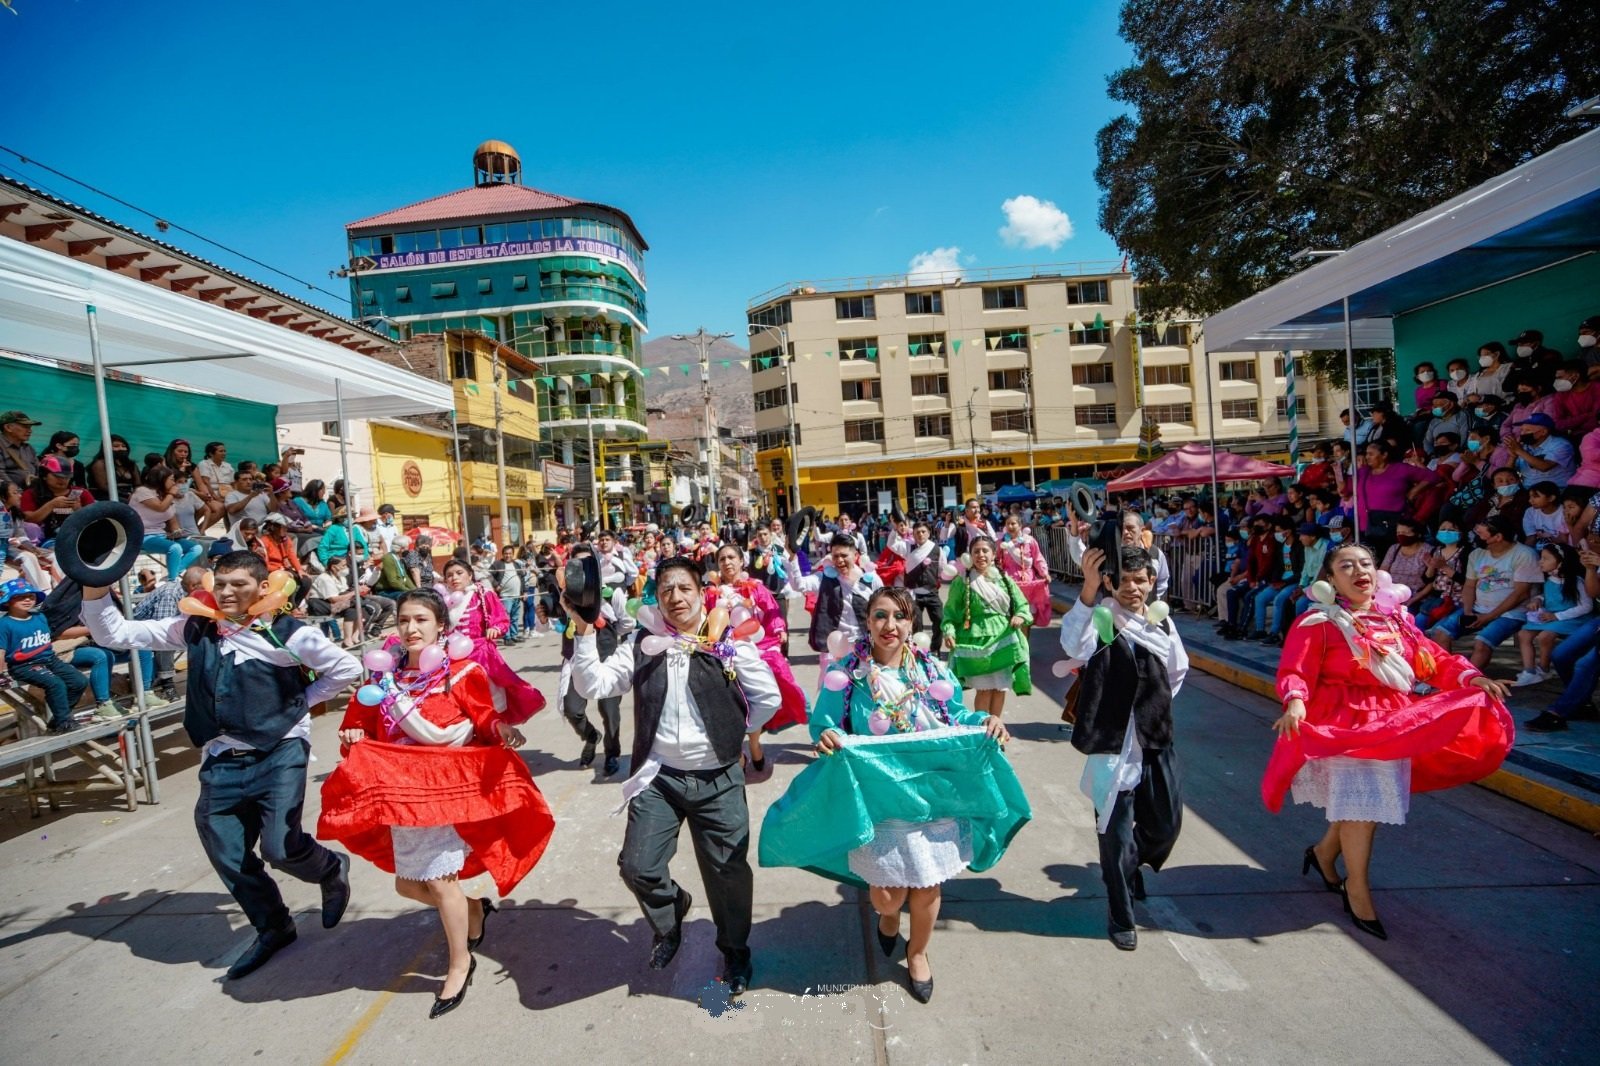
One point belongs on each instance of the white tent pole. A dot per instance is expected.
(461, 491)
(124, 588)
(1211, 426)
(349, 507)
(1355, 457)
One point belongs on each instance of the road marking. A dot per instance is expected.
(354, 1034)
(1212, 969)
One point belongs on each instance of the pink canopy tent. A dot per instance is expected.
(1191, 464)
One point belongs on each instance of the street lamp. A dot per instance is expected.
(703, 341)
(788, 398)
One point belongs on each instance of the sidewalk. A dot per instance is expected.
(1557, 773)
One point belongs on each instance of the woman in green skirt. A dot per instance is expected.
(986, 630)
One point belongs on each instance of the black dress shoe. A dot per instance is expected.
(737, 978)
(888, 941)
(488, 908)
(1124, 939)
(921, 991)
(666, 944)
(1311, 862)
(1371, 926)
(1545, 723)
(612, 762)
(336, 892)
(256, 955)
(442, 1006)
(586, 757)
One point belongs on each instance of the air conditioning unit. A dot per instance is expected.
(491, 437)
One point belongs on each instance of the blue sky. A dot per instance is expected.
(754, 144)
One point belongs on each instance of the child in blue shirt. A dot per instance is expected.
(25, 640)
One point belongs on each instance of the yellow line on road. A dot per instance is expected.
(354, 1034)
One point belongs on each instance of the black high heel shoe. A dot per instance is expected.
(442, 1006)
(488, 908)
(888, 943)
(1372, 926)
(1311, 861)
(921, 991)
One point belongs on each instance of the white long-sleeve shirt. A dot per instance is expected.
(335, 668)
(1076, 547)
(849, 624)
(681, 740)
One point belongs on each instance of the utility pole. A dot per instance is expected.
(1033, 425)
(703, 341)
(972, 437)
(500, 448)
(596, 470)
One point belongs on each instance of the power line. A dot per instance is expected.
(163, 221)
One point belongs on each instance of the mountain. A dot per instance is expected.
(679, 396)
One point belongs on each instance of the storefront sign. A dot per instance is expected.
(559, 477)
(411, 478)
(993, 462)
(475, 253)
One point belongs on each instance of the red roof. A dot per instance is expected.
(481, 201)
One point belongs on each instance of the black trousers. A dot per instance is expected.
(713, 803)
(1144, 826)
(930, 604)
(575, 709)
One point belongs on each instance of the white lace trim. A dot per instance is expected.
(427, 853)
(913, 855)
(1356, 790)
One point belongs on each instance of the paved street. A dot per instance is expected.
(114, 933)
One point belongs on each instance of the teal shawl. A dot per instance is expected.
(834, 805)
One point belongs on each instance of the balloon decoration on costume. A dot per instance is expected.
(1389, 595)
(280, 590)
(749, 629)
(838, 645)
(200, 604)
(458, 645)
(655, 644)
(1065, 667)
(431, 659)
(369, 695)
(378, 661)
(879, 723)
(649, 616)
(942, 690)
(455, 599)
(1157, 612)
(835, 680)
(634, 606)
(1322, 592)
(441, 588)
(1104, 628)
(948, 573)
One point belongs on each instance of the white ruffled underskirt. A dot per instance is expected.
(427, 853)
(913, 854)
(1356, 790)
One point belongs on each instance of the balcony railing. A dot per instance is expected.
(598, 411)
(541, 349)
(941, 279)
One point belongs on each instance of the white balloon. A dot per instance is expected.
(1157, 612)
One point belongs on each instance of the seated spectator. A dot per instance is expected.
(122, 466)
(1576, 660)
(19, 462)
(419, 562)
(1540, 454)
(333, 596)
(1543, 521)
(1531, 398)
(278, 547)
(1298, 506)
(1442, 578)
(386, 530)
(1588, 334)
(1533, 357)
(31, 659)
(1490, 377)
(214, 476)
(17, 547)
(1507, 499)
(1291, 600)
(155, 501)
(1574, 500)
(97, 663)
(313, 505)
(179, 459)
(393, 580)
(1283, 570)
(1389, 426)
(1447, 460)
(1561, 609)
(336, 539)
(250, 496)
(1456, 374)
(1407, 560)
(1588, 472)
(1577, 399)
(1319, 474)
(248, 533)
(290, 471)
(1501, 575)
(64, 445)
(193, 516)
(1448, 417)
(51, 499)
(1429, 387)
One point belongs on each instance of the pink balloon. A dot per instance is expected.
(948, 573)
(649, 616)
(879, 723)
(378, 661)
(941, 690)
(441, 588)
(738, 615)
(835, 680)
(838, 645)
(459, 645)
(655, 644)
(1062, 668)
(455, 599)
(432, 658)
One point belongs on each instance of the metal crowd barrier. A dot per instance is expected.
(1192, 562)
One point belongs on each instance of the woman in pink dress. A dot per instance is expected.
(1024, 563)
(735, 589)
(478, 613)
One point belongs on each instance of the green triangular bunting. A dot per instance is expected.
(472, 388)
(1099, 321)
(872, 351)
(956, 345)
(914, 348)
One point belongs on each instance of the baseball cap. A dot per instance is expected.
(54, 464)
(1528, 336)
(279, 484)
(387, 508)
(1309, 529)
(8, 417)
(1537, 419)
(1337, 522)
(220, 548)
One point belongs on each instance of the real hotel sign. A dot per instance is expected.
(473, 253)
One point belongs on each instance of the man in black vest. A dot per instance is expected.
(842, 589)
(925, 562)
(251, 684)
(1124, 725)
(692, 706)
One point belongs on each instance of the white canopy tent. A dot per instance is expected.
(167, 337)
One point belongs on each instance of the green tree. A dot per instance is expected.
(1260, 127)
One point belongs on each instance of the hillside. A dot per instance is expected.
(678, 394)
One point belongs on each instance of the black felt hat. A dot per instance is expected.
(798, 525)
(95, 546)
(584, 588)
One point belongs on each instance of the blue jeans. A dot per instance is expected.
(257, 796)
(1278, 600)
(1239, 603)
(1287, 609)
(181, 554)
(513, 606)
(62, 684)
(1577, 660)
(1499, 629)
(98, 661)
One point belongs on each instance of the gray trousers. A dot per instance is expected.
(1144, 827)
(713, 803)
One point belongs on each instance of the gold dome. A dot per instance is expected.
(496, 162)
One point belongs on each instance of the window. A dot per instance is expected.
(1283, 408)
(463, 364)
(1240, 409)
(855, 307)
(1088, 292)
(1167, 375)
(863, 389)
(1093, 374)
(1171, 337)
(1236, 370)
(442, 290)
(932, 425)
(767, 399)
(1001, 340)
(767, 439)
(925, 343)
(485, 286)
(330, 429)
(924, 303)
(1004, 297)
(1171, 412)
(858, 348)
(402, 294)
(1089, 336)
(864, 429)
(1000, 380)
(519, 282)
(930, 384)
(1009, 421)
(1095, 414)
(778, 314)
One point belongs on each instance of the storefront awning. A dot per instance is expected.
(1539, 214)
(178, 340)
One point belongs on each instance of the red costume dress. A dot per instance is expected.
(1355, 674)
(464, 780)
(1024, 563)
(754, 597)
(514, 698)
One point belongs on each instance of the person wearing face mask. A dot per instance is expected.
(1441, 577)
(1456, 375)
(1489, 411)
(1540, 454)
(1288, 556)
(1501, 575)
(1447, 418)
(1493, 368)
(1530, 351)
(1531, 398)
(64, 445)
(1577, 399)
(1588, 335)
(1428, 385)
(126, 471)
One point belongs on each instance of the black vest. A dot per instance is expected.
(718, 697)
(1122, 679)
(830, 608)
(925, 578)
(251, 700)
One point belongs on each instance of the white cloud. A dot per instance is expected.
(1034, 223)
(938, 267)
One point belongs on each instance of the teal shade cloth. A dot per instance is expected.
(834, 805)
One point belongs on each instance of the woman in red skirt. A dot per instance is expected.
(1354, 739)
(429, 788)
